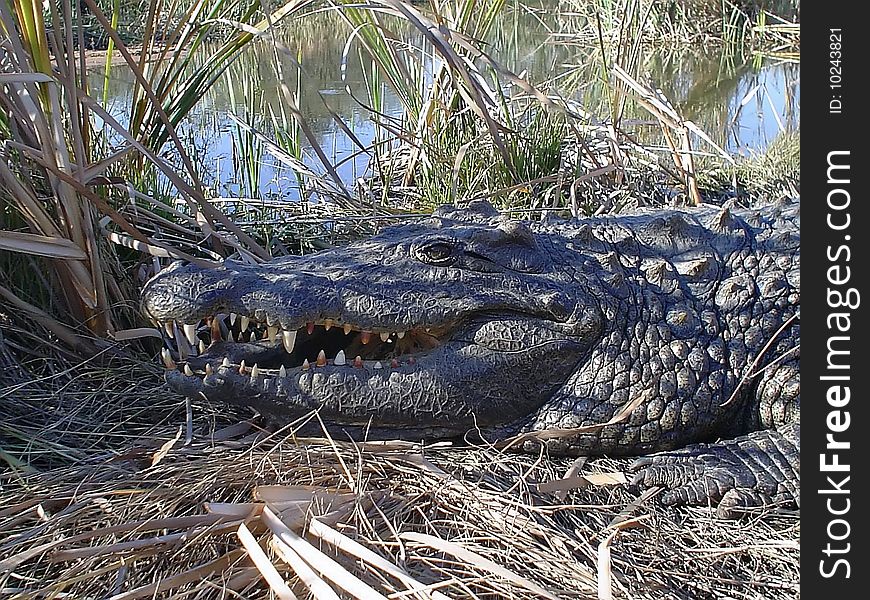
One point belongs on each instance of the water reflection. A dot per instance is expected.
(740, 106)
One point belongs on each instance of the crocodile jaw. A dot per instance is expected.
(484, 371)
(446, 391)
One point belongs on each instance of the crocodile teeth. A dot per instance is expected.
(327, 324)
(385, 336)
(340, 359)
(209, 370)
(246, 321)
(321, 359)
(255, 372)
(226, 362)
(358, 362)
(289, 338)
(242, 367)
(365, 336)
(167, 359)
(394, 364)
(305, 365)
(378, 365)
(282, 371)
(188, 371)
(273, 333)
(347, 329)
(233, 317)
(190, 333)
(230, 338)
(400, 334)
(169, 327)
(201, 346)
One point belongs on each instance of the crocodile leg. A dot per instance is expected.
(753, 470)
(757, 469)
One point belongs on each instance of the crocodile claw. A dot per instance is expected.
(755, 470)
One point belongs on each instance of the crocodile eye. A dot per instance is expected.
(439, 253)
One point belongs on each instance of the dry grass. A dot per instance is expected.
(758, 177)
(101, 499)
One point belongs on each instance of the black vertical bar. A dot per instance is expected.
(834, 374)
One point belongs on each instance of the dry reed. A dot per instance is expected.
(103, 499)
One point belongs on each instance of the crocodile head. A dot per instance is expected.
(458, 322)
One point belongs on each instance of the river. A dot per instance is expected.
(742, 103)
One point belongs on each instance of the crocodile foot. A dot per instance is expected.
(759, 469)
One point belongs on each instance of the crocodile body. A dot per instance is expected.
(662, 332)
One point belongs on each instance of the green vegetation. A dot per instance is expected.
(769, 175)
(62, 183)
(98, 495)
(93, 193)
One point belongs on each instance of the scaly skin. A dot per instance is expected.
(691, 316)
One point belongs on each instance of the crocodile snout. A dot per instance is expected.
(185, 292)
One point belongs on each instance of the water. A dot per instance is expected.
(743, 107)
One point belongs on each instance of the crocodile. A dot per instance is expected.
(671, 335)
